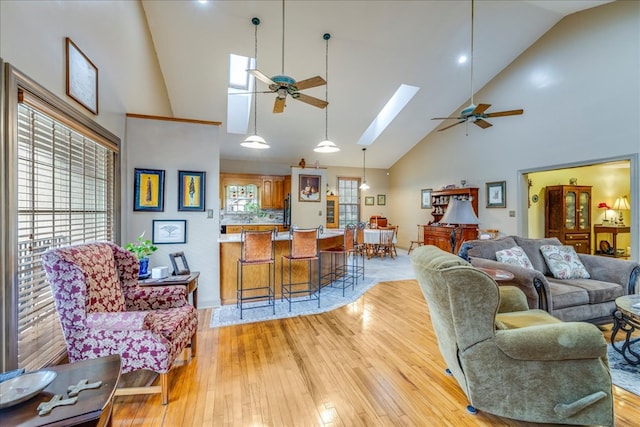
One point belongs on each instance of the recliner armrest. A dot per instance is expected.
(561, 341)
(155, 297)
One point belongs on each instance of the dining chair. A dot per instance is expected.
(386, 245)
(419, 240)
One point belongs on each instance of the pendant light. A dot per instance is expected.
(364, 185)
(326, 146)
(255, 141)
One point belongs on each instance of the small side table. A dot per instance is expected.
(93, 407)
(497, 274)
(614, 231)
(190, 282)
(627, 319)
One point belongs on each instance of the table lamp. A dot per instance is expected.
(603, 205)
(621, 204)
(459, 212)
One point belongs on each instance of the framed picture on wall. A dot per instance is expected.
(309, 186)
(191, 187)
(168, 231)
(148, 194)
(426, 198)
(82, 77)
(369, 200)
(382, 199)
(496, 194)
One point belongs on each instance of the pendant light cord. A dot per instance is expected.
(255, 93)
(472, 51)
(326, 87)
(283, 37)
(364, 163)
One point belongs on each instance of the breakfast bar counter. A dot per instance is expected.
(230, 252)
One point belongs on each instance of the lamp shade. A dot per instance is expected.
(459, 212)
(255, 142)
(603, 205)
(621, 203)
(326, 146)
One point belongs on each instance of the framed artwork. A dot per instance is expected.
(368, 200)
(148, 194)
(496, 194)
(179, 263)
(309, 188)
(82, 77)
(426, 198)
(169, 231)
(382, 199)
(191, 191)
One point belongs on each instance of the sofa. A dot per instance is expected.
(522, 364)
(589, 299)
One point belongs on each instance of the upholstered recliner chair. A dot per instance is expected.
(104, 311)
(532, 369)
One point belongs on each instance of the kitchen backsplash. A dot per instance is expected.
(275, 216)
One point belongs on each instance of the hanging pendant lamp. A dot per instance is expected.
(326, 146)
(255, 141)
(364, 185)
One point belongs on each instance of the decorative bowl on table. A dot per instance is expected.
(24, 387)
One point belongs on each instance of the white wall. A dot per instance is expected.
(173, 146)
(580, 92)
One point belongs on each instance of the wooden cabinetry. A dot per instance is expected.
(440, 235)
(269, 190)
(568, 215)
(272, 192)
(332, 212)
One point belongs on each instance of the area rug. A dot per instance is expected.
(623, 374)
(376, 270)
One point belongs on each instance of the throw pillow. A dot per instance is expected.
(563, 262)
(514, 256)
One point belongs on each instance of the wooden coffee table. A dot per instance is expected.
(627, 319)
(93, 407)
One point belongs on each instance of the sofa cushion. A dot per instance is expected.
(514, 256)
(532, 248)
(487, 248)
(565, 295)
(563, 262)
(598, 290)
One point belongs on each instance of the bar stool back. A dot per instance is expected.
(341, 274)
(257, 248)
(303, 248)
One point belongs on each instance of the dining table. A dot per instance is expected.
(372, 238)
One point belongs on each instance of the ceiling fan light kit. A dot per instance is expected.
(326, 146)
(476, 113)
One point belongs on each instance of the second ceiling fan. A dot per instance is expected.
(476, 113)
(283, 85)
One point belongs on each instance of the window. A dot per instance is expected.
(348, 201)
(64, 168)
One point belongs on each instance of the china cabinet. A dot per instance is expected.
(332, 212)
(439, 234)
(568, 215)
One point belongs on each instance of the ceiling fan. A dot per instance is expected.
(282, 84)
(476, 113)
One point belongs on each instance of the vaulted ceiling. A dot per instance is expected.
(375, 47)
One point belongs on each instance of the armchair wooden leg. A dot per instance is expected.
(194, 343)
(164, 386)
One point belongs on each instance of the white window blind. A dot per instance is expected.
(348, 201)
(65, 195)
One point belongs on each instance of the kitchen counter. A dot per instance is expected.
(230, 252)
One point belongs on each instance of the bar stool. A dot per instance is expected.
(303, 248)
(341, 274)
(257, 248)
(360, 249)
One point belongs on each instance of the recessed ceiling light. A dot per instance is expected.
(462, 59)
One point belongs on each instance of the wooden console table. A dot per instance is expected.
(614, 231)
(93, 407)
(189, 281)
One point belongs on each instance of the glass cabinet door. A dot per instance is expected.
(570, 206)
(584, 211)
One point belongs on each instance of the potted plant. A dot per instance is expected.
(142, 248)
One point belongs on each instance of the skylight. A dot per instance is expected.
(239, 93)
(390, 111)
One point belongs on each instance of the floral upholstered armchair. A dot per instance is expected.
(103, 311)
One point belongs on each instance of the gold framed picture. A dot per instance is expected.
(82, 77)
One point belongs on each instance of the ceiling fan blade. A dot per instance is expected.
(480, 108)
(450, 126)
(482, 123)
(316, 102)
(260, 76)
(311, 82)
(505, 113)
(278, 106)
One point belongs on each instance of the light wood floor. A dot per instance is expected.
(374, 362)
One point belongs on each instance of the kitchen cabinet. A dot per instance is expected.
(568, 215)
(238, 190)
(332, 212)
(272, 192)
